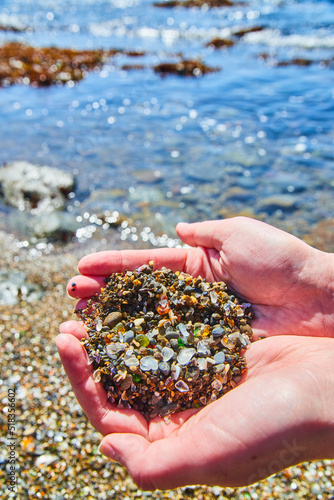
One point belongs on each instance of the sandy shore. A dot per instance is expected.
(54, 446)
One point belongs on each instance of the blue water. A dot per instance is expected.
(252, 138)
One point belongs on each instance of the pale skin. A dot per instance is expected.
(282, 412)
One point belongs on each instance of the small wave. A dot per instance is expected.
(126, 26)
(108, 28)
(274, 38)
(13, 21)
(269, 37)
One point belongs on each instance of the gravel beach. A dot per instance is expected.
(54, 447)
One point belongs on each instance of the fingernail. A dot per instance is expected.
(108, 451)
(62, 326)
(59, 337)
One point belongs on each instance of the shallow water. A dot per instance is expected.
(252, 138)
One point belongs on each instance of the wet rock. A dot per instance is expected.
(14, 287)
(147, 194)
(217, 331)
(14, 29)
(57, 226)
(102, 199)
(198, 175)
(247, 182)
(172, 335)
(284, 202)
(46, 66)
(184, 68)
(289, 183)
(244, 31)
(130, 67)
(238, 194)
(297, 61)
(148, 176)
(219, 43)
(33, 187)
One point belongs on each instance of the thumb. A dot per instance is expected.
(206, 234)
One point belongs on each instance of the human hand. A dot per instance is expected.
(289, 283)
(281, 413)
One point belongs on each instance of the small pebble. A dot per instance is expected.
(167, 353)
(219, 357)
(113, 319)
(164, 368)
(131, 361)
(148, 363)
(128, 336)
(185, 355)
(218, 331)
(181, 386)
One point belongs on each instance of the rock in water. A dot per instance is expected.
(14, 287)
(56, 226)
(162, 342)
(35, 188)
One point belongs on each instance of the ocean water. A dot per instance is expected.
(252, 138)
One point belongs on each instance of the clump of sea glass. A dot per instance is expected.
(163, 341)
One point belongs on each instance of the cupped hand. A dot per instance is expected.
(280, 414)
(289, 283)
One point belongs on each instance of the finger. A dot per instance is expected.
(81, 304)
(79, 372)
(108, 262)
(206, 234)
(74, 328)
(81, 287)
(92, 396)
(163, 464)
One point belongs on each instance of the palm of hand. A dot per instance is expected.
(221, 443)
